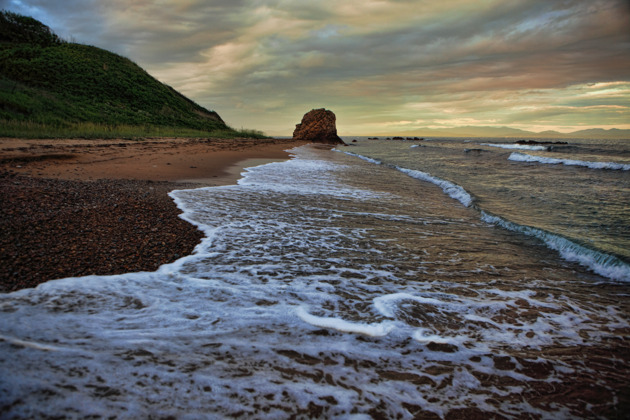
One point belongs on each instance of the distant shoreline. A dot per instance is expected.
(78, 207)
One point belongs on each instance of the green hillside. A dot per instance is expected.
(53, 88)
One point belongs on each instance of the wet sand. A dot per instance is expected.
(75, 207)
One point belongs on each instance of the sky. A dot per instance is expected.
(384, 67)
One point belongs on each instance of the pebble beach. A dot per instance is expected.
(80, 207)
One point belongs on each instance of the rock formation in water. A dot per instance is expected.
(318, 126)
(534, 142)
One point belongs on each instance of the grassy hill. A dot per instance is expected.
(52, 88)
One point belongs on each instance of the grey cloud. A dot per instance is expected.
(151, 33)
(502, 48)
(456, 57)
(158, 34)
(70, 19)
(311, 10)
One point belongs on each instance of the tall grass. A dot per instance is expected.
(90, 130)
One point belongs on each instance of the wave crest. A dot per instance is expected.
(524, 157)
(451, 189)
(603, 264)
(515, 146)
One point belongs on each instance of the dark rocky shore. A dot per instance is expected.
(54, 228)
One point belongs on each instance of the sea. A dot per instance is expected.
(443, 278)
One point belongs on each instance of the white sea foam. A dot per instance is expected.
(524, 157)
(305, 295)
(451, 189)
(515, 146)
(365, 158)
(386, 305)
(425, 335)
(463, 314)
(373, 330)
(23, 343)
(603, 264)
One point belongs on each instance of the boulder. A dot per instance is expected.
(318, 126)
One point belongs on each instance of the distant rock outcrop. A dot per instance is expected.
(318, 126)
(534, 142)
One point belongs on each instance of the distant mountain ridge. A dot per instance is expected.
(472, 131)
(51, 85)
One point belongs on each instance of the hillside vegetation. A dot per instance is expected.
(53, 88)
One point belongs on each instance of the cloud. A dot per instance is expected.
(264, 63)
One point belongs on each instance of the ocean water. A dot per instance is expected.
(575, 196)
(375, 281)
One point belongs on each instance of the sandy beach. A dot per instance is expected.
(75, 207)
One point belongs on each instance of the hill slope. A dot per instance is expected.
(52, 88)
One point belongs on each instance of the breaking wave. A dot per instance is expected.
(516, 146)
(365, 158)
(603, 264)
(524, 157)
(452, 190)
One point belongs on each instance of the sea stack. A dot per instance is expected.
(318, 126)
